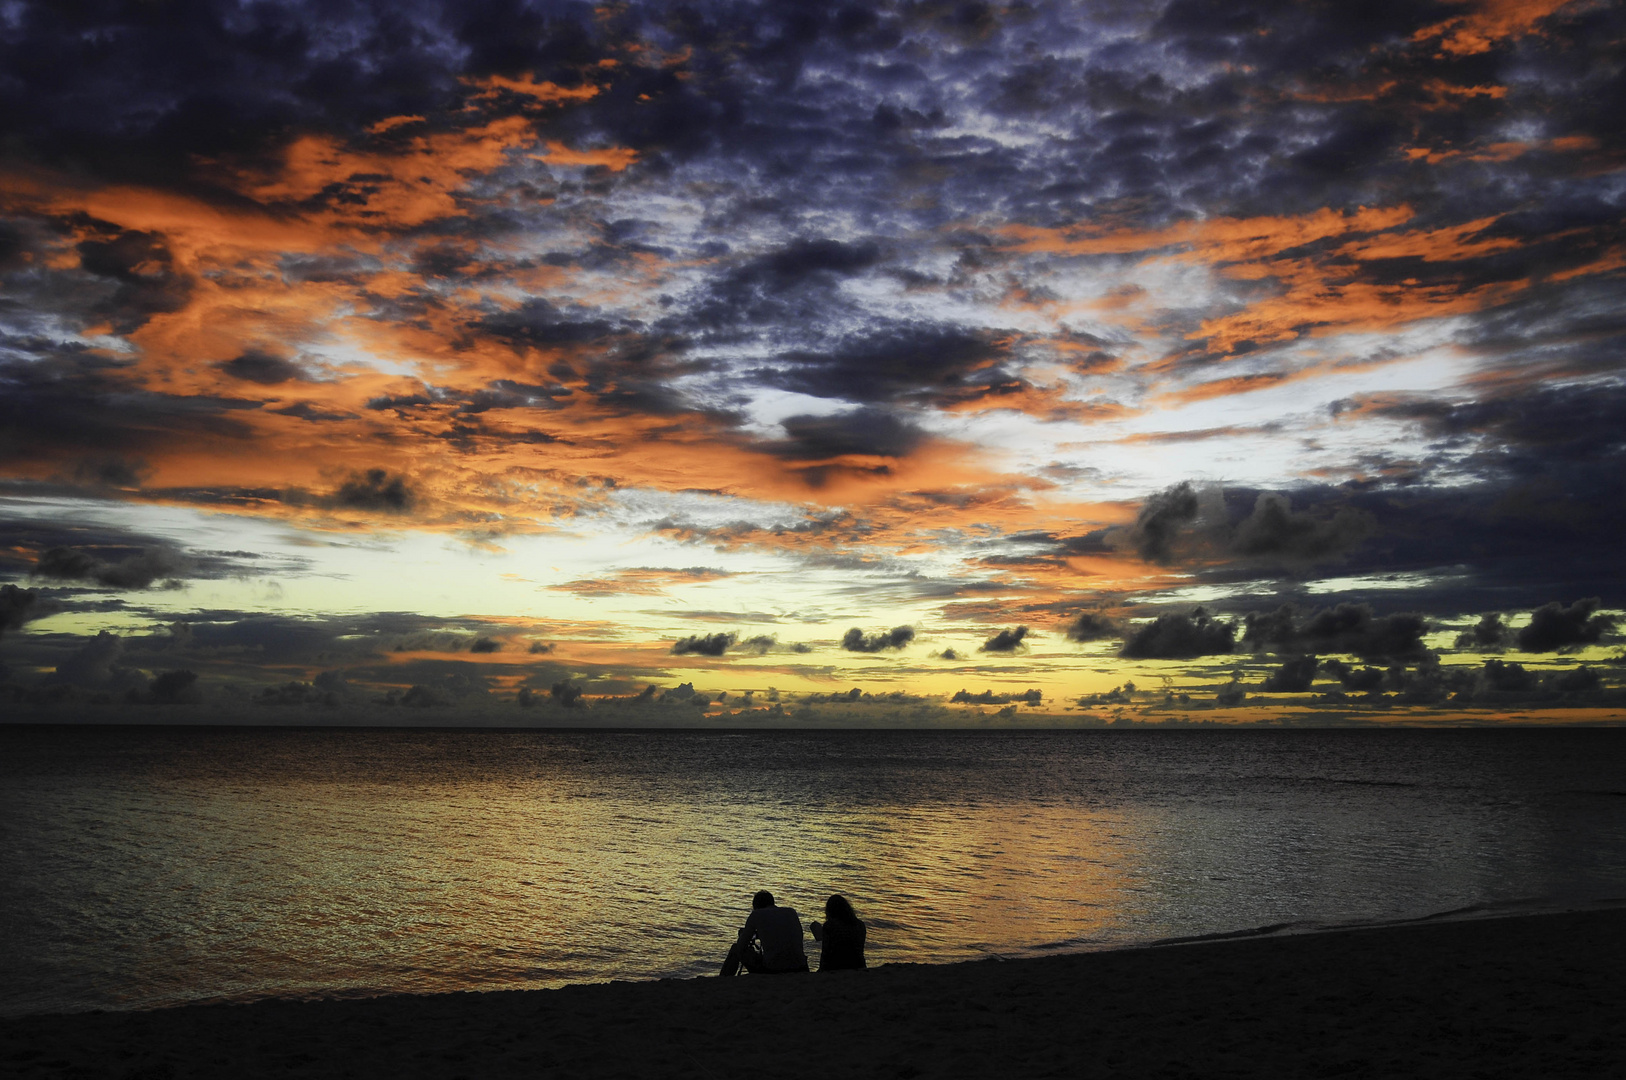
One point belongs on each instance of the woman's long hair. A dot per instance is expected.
(837, 909)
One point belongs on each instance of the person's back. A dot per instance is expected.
(841, 936)
(770, 942)
(779, 931)
(843, 946)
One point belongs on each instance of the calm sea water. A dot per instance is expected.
(146, 867)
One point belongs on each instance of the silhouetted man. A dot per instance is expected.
(770, 942)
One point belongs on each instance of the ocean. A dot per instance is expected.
(145, 867)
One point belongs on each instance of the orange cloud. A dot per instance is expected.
(527, 86)
(390, 123)
(1451, 243)
(1213, 240)
(1316, 306)
(640, 581)
(1048, 403)
(1505, 151)
(1613, 258)
(1488, 23)
(401, 187)
(1218, 388)
(1430, 94)
(613, 158)
(1319, 293)
(196, 231)
(1440, 89)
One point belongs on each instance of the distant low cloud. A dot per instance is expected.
(1355, 680)
(18, 606)
(1503, 681)
(855, 640)
(1161, 520)
(1556, 628)
(137, 570)
(989, 697)
(1488, 634)
(1505, 677)
(1185, 522)
(296, 694)
(1581, 680)
(435, 682)
(171, 688)
(1180, 637)
(1118, 695)
(1294, 676)
(704, 644)
(1274, 531)
(730, 641)
(759, 644)
(1091, 626)
(1006, 641)
(1346, 628)
(96, 664)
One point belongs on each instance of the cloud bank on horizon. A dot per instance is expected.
(1258, 361)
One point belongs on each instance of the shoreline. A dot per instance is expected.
(1463, 993)
(1492, 909)
(1014, 954)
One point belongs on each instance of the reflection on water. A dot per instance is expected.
(150, 866)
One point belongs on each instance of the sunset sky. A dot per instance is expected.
(496, 362)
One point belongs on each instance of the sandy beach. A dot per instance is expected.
(1526, 996)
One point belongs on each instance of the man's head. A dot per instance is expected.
(762, 899)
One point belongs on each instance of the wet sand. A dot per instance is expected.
(1528, 996)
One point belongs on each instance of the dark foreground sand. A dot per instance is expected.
(1532, 996)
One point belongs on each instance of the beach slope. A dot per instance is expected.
(1528, 996)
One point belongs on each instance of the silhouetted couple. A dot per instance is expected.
(770, 942)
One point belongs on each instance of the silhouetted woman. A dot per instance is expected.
(841, 936)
